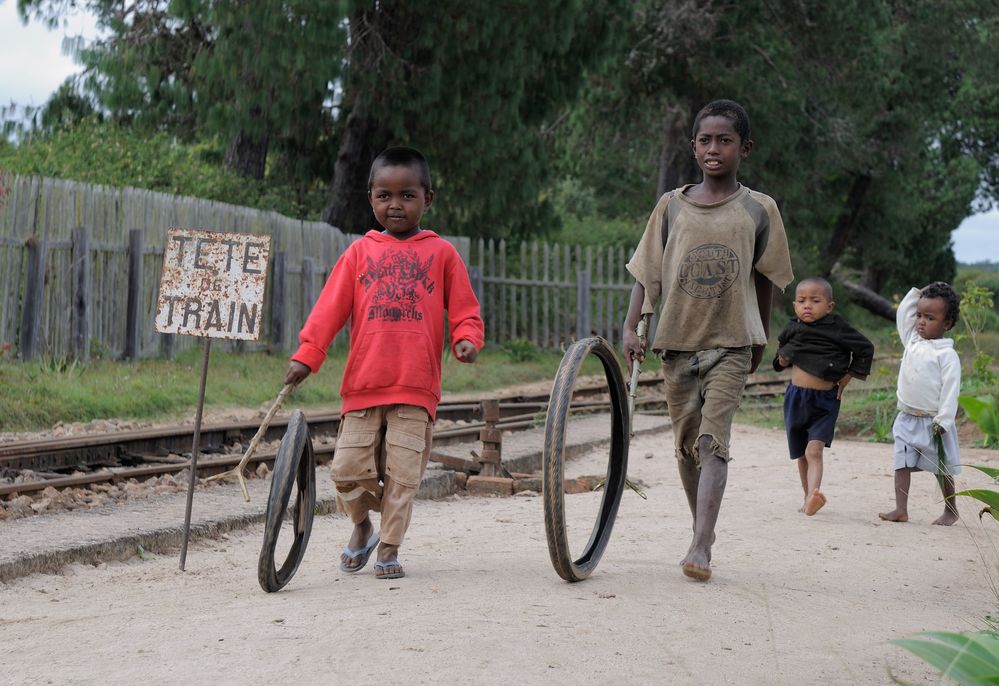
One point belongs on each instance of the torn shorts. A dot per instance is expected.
(703, 389)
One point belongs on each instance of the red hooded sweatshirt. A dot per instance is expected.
(395, 293)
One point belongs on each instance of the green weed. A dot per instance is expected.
(521, 350)
(884, 418)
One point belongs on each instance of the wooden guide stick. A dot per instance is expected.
(642, 330)
(237, 471)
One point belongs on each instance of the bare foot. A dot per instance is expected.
(894, 516)
(946, 519)
(697, 564)
(814, 503)
(695, 572)
(714, 537)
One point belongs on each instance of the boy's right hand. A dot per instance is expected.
(632, 346)
(296, 373)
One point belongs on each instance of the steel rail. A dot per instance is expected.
(210, 465)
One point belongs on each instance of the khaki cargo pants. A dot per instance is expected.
(381, 454)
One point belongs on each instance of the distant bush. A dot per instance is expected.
(582, 224)
(521, 350)
(104, 153)
(975, 276)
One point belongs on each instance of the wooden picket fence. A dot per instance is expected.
(550, 294)
(80, 267)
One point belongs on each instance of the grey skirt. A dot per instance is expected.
(916, 449)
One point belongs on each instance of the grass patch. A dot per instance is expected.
(37, 395)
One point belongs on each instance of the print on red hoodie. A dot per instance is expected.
(395, 294)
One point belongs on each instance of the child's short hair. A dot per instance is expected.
(401, 156)
(941, 289)
(729, 109)
(820, 282)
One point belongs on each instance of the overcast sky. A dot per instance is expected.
(32, 66)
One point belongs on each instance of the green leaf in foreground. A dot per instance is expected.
(970, 659)
(988, 471)
(984, 412)
(990, 498)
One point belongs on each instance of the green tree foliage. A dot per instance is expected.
(256, 73)
(478, 87)
(873, 119)
(867, 117)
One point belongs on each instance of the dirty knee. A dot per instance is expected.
(709, 445)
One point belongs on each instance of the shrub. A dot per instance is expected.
(520, 350)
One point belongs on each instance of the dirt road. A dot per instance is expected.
(793, 599)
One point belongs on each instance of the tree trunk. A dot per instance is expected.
(676, 161)
(871, 279)
(846, 221)
(870, 300)
(247, 156)
(348, 208)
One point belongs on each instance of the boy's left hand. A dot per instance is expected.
(938, 430)
(465, 351)
(841, 384)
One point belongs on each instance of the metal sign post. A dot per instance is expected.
(193, 478)
(212, 286)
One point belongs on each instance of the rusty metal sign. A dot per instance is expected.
(212, 284)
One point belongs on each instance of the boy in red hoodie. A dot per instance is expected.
(394, 286)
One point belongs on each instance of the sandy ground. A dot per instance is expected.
(793, 599)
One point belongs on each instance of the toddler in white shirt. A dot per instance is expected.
(929, 380)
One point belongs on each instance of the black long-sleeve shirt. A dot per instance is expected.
(827, 348)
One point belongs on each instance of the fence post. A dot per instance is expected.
(133, 311)
(475, 276)
(308, 284)
(583, 327)
(31, 315)
(81, 294)
(278, 288)
(166, 346)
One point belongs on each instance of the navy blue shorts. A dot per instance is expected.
(809, 415)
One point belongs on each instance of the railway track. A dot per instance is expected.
(145, 453)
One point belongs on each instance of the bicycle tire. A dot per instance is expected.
(295, 461)
(554, 458)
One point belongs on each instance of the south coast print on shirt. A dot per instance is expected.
(708, 270)
(399, 280)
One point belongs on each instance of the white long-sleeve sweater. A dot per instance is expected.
(929, 379)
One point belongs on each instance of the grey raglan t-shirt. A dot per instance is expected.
(704, 275)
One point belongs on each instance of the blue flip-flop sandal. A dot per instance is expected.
(388, 565)
(363, 553)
